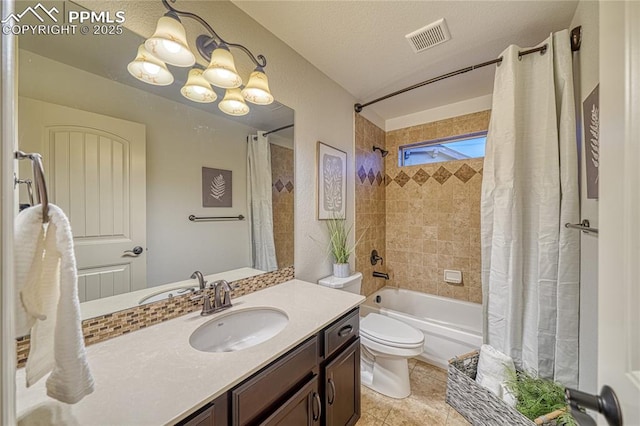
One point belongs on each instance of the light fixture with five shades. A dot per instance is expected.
(168, 45)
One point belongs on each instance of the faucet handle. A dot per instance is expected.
(206, 305)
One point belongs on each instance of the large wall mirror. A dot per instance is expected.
(129, 163)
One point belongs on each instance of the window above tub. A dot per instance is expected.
(460, 147)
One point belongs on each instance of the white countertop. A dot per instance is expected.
(153, 376)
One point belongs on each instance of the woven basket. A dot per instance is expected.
(479, 405)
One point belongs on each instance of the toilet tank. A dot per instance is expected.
(351, 283)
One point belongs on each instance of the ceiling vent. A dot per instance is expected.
(429, 36)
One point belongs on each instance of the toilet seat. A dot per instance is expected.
(390, 332)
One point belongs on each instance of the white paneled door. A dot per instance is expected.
(95, 168)
(619, 206)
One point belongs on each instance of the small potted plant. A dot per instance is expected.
(339, 246)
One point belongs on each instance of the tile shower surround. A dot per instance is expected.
(433, 213)
(118, 323)
(282, 198)
(370, 203)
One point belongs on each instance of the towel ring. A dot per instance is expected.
(40, 182)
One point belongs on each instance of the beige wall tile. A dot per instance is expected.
(434, 225)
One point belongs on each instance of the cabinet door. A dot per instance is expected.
(342, 387)
(304, 408)
(215, 413)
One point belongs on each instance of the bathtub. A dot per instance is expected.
(451, 327)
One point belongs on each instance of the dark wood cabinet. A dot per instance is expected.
(304, 408)
(317, 383)
(214, 413)
(272, 385)
(342, 387)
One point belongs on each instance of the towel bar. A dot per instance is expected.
(40, 182)
(194, 218)
(583, 226)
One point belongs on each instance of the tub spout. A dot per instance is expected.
(377, 274)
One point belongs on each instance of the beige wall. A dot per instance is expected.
(433, 213)
(282, 186)
(370, 203)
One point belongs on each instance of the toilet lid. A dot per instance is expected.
(390, 331)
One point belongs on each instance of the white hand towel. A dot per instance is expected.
(47, 281)
(492, 369)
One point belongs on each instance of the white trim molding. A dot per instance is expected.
(8, 135)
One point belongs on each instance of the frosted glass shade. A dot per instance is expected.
(198, 89)
(146, 67)
(221, 71)
(169, 42)
(233, 103)
(257, 89)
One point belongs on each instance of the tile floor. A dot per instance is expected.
(425, 406)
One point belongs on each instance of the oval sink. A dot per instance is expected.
(167, 294)
(239, 330)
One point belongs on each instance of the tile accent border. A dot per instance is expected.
(441, 175)
(116, 324)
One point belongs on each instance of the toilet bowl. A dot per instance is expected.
(386, 344)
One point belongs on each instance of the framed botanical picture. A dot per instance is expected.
(216, 188)
(591, 122)
(332, 182)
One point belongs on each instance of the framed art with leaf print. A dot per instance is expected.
(216, 188)
(332, 182)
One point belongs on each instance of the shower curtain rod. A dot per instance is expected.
(277, 130)
(575, 38)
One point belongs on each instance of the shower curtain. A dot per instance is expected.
(260, 203)
(530, 261)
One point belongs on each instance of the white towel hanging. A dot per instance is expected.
(46, 278)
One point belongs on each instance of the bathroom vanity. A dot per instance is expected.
(308, 373)
(316, 383)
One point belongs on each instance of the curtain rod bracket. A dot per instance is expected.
(576, 38)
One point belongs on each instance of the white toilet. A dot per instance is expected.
(387, 344)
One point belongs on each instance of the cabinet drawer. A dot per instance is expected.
(203, 417)
(345, 330)
(254, 397)
(302, 409)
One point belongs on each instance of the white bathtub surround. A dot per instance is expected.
(46, 276)
(263, 247)
(450, 327)
(168, 379)
(530, 261)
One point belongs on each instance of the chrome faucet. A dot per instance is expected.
(225, 303)
(201, 281)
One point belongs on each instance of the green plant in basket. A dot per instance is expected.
(537, 397)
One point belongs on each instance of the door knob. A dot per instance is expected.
(137, 251)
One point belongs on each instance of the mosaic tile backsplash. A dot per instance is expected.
(370, 203)
(116, 324)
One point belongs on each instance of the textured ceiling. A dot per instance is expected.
(361, 44)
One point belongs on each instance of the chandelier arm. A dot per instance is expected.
(260, 61)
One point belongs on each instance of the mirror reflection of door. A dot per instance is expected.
(95, 169)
